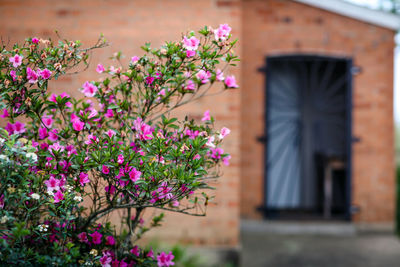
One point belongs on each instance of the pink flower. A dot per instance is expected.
(165, 259)
(19, 127)
(149, 80)
(56, 147)
(34, 143)
(222, 32)
(230, 82)
(110, 133)
(105, 260)
(5, 113)
(135, 251)
(109, 113)
(226, 159)
(110, 240)
(77, 124)
(10, 128)
(114, 70)
(64, 94)
(134, 59)
(206, 116)
(164, 191)
(203, 76)
(100, 68)
(110, 189)
(220, 75)
(13, 74)
(191, 44)
(52, 184)
(134, 175)
(216, 153)
(196, 157)
(96, 238)
(53, 135)
(224, 132)
(16, 60)
(58, 196)
(52, 98)
(31, 75)
(43, 134)
(144, 131)
(45, 74)
(192, 134)
(150, 254)
(190, 85)
(91, 139)
(71, 150)
(120, 159)
(190, 53)
(47, 121)
(83, 178)
(83, 237)
(35, 40)
(162, 92)
(105, 169)
(16, 128)
(89, 89)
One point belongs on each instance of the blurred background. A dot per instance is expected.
(312, 180)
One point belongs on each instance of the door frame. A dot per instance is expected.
(349, 137)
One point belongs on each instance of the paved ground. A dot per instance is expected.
(288, 248)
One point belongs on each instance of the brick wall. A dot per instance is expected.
(127, 25)
(273, 27)
(264, 27)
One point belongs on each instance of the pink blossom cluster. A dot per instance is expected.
(15, 128)
(77, 124)
(33, 76)
(143, 130)
(222, 32)
(89, 89)
(108, 257)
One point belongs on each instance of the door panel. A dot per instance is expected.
(307, 125)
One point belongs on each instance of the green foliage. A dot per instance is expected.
(77, 161)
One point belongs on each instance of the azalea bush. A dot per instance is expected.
(69, 165)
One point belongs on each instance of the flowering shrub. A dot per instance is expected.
(67, 164)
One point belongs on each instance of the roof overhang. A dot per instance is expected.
(376, 17)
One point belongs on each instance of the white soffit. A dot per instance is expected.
(379, 18)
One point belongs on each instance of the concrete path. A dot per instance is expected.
(340, 246)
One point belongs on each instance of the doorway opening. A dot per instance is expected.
(308, 137)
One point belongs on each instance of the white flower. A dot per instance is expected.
(68, 188)
(78, 198)
(32, 156)
(4, 219)
(210, 142)
(4, 157)
(35, 196)
(2, 140)
(93, 252)
(43, 227)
